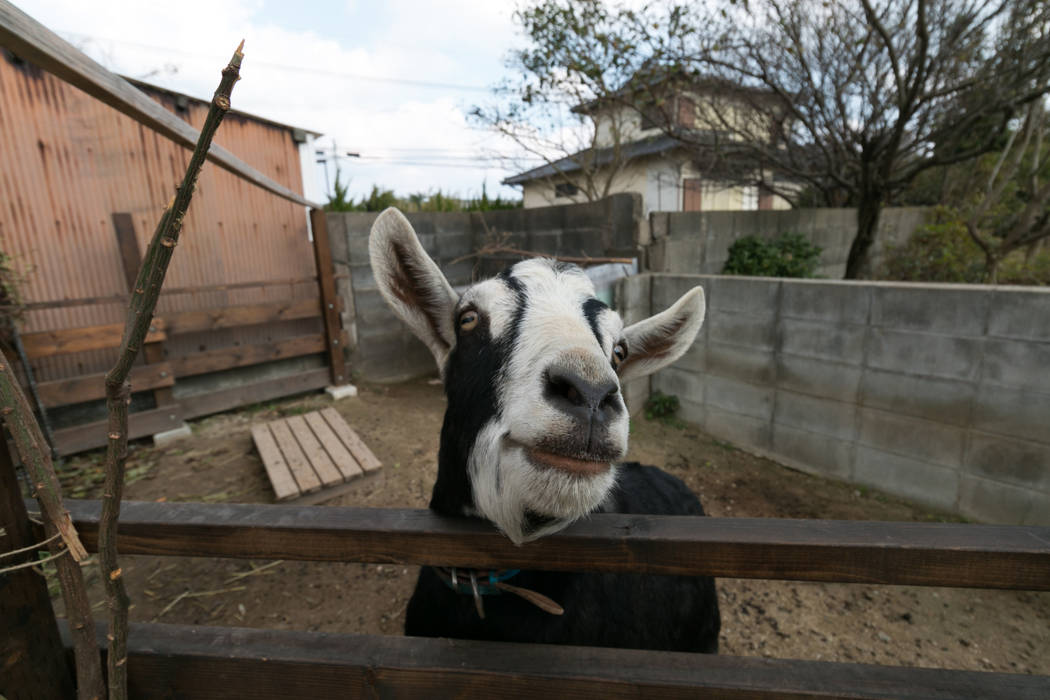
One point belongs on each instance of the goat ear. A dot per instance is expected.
(661, 339)
(412, 284)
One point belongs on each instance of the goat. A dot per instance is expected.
(532, 364)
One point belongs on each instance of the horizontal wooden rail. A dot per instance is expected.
(209, 662)
(242, 355)
(37, 44)
(925, 554)
(90, 387)
(231, 316)
(71, 340)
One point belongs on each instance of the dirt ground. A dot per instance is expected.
(894, 625)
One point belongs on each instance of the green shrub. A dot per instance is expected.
(789, 255)
(941, 251)
(661, 407)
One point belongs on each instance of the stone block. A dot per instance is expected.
(919, 481)
(752, 295)
(632, 298)
(939, 400)
(739, 397)
(842, 302)
(1020, 412)
(841, 342)
(680, 383)
(685, 224)
(357, 250)
(1020, 313)
(805, 375)
(1018, 363)
(691, 412)
(740, 329)
(372, 310)
(925, 440)
(815, 415)
(812, 452)
(667, 289)
(361, 276)
(635, 394)
(695, 358)
(167, 437)
(743, 431)
(454, 245)
(343, 391)
(752, 365)
(995, 502)
(1019, 462)
(950, 309)
(682, 256)
(924, 354)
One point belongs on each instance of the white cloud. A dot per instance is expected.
(460, 42)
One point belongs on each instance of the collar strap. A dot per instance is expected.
(476, 583)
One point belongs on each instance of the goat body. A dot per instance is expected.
(532, 365)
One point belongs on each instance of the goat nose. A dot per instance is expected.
(581, 398)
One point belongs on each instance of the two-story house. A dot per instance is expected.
(660, 144)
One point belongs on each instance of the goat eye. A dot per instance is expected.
(468, 319)
(619, 354)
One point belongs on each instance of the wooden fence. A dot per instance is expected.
(199, 662)
(161, 369)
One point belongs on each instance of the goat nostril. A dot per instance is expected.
(609, 398)
(573, 395)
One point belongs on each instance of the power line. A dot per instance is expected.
(296, 69)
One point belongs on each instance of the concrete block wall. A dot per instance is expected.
(382, 348)
(937, 393)
(698, 242)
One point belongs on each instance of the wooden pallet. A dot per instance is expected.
(312, 457)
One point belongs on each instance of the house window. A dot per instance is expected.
(686, 113)
(565, 189)
(749, 198)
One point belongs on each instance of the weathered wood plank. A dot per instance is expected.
(311, 447)
(305, 477)
(231, 316)
(243, 355)
(209, 662)
(332, 325)
(61, 342)
(225, 399)
(920, 554)
(355, 444)
(284, 486)
(37, 44)
(89, 387)
(32, 661)
(342, 457)
(91, 435)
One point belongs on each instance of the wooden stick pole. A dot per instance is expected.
(143, 301)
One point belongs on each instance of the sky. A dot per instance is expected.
(389, 80)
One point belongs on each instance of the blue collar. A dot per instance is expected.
(459, 580)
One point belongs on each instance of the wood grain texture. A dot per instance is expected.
(281, 478)
(329, 309)
(305, 477)
(350, 439)
(225, 399)
(89, 435)
(201, 662)
(34, 42)
(231, 316)
(922, 554)
(341, 456)
(311, 447)
(32, 661)
(243, 355)
(61, 342)
(90, 387)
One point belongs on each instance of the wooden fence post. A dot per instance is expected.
(33, 662)
(329, 300)
(131, 259)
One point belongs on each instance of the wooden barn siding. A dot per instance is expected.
(67, 162)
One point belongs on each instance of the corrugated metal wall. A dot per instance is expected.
(68, 162)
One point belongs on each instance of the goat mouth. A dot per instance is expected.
(581, 467)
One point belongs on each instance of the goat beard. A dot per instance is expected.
(507, 487)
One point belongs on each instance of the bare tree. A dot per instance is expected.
(555, 109)
(852, 99)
